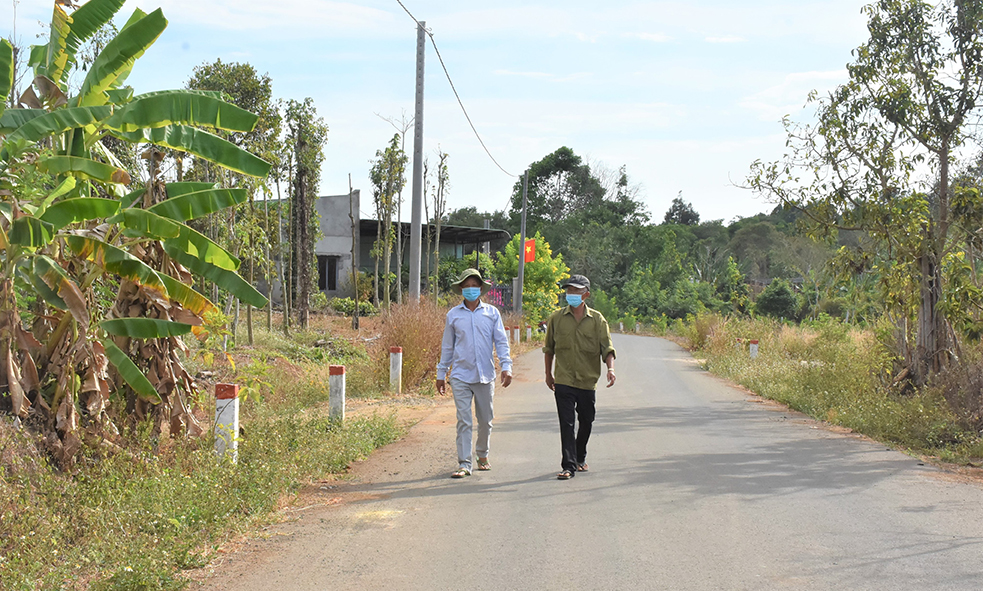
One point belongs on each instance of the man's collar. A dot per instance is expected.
(587, 310)
(464, 305)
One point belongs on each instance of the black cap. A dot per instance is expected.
(577, 281)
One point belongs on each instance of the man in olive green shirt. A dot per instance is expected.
(578, 338)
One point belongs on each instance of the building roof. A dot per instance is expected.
(452, 234)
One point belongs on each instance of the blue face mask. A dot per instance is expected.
(574, 299)
(471, 293)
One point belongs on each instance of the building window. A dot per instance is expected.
(327, 273)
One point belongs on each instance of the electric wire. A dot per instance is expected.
(456, 95)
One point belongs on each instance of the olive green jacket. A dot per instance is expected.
(578, 347)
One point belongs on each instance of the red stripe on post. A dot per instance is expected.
(395, 349)
(226, 391)
(754, 341)
(336, 370)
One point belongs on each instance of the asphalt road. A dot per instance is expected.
(694, 484)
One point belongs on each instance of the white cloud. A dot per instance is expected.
(656, 37)
(773, 103)
(726, 39)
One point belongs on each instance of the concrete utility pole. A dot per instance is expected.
(517, 293)
(416, 219)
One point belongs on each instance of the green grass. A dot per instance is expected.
(133, 519)
(839, 375)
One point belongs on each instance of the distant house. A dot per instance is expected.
(333, 247)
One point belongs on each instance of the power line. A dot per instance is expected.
(456, 95)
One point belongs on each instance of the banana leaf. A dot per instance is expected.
(180, 107)
(199, 203)
(6, 72)
(119, 96)
(118, 57)
(116, 261)
(197, 245)
(4, 243)
(30, 232)
(62, 189)
(59, 121)
(230, 281)
(215, 94)
(38, 58)
(173, 190)
(147, 223)
(86, 21)
(204, 144)
(186, 295)
(13, 119)
(130, 373)
(82, 209)
(56, 59)
(47, 294)
(53, 276)
(85, 168)
(144, 328)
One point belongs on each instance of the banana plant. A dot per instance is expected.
(71, 221)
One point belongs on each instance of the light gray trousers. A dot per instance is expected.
(482, 395)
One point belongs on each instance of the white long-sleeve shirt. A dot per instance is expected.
(466, 348)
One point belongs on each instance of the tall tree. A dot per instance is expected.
(306, 135)
(253, 92)
(388, 176)
(682, 212)
(914, 93)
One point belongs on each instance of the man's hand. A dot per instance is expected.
(611, 377)
(440, 387)
(549, 380)
(506, 379)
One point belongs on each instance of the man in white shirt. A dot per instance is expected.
(470, 332)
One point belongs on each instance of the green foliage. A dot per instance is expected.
(130, 523)
(605, 304)
(388, 177)
(541, 276)
(778, 300)
(681, 212)
(347, 307)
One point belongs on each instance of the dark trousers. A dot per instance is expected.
(572, 405)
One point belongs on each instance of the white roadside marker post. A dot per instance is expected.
(638, 327)
(396, 369)
(754, 348)
(227, 421)
(621, 327)
(336, 392)
(528, 333)
(516, 335)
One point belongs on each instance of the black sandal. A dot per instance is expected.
(565, 475)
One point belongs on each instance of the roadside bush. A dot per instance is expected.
(346, 306)
(133, 518)
(834, 372)
(418, 330)
(778, 301)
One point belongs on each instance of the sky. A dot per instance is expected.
(685, 95)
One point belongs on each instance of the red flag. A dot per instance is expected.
(530, 250)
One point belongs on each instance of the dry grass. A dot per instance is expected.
(836, 373)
